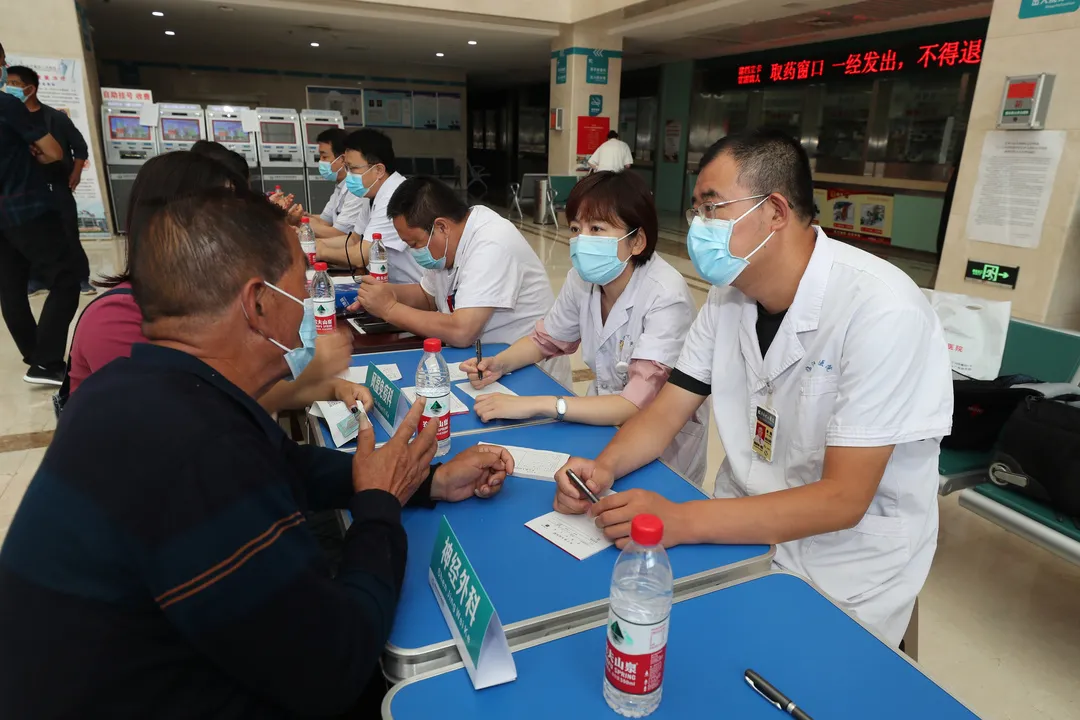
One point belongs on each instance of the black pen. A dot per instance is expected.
(479, 357)
(774, 696)
(581, 486)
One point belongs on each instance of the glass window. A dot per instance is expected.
(845, 117)
(927, 121)
(781, 109)
(714, 116)
(644, 142)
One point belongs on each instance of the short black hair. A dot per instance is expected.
(196, 253)
(27, 75)
(374, 146)
(617, 198)
(422, 199)
(612, 135)
(335, 138)
(231, 159)
(770, 161)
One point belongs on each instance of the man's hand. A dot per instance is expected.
(615, 512)
(280, 199)
(478, 471)
(75, 178)
(495, 406)
(568, 499)
(491, 367)
(376, 297)
(352, 394)
(399, 466)
(295, 214)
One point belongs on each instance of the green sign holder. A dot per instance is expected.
(390, 409)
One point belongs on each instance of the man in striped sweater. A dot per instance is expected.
(159, 565)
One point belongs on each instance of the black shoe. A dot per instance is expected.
(37, 375)
(86, 288)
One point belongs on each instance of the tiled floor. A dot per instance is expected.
(998, 616)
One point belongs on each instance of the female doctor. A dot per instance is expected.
(624, 304)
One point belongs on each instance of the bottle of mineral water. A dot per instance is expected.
(433, 384)
(307, 241)
(637, 632)
(378, 263)
(322, 292)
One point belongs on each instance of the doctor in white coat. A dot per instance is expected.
(831, 390)
(626, 307)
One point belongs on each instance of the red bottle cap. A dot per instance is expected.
(305, 220)
(376, 236)
(433, 345)
(320, 267)
(277, 187)
(646, 530)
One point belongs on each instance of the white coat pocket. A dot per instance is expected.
(848, 564)
(806, 443)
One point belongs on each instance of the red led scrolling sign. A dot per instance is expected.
(869, 62)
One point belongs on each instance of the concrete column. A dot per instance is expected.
(578, 58)
(1048, 289)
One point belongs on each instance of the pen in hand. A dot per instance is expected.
(479, 358)
(774, 696)
(581, 486)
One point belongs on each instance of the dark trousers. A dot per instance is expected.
(40, 243)
(68, 209)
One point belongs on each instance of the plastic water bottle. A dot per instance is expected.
(378, 263)
(637, 632)
(307, 240)
(433, 384)
(322, 292)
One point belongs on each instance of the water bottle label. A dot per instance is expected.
(635, 655)
(380, 271)
(437, 409)
(325, 321)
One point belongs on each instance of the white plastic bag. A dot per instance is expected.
(975, 330)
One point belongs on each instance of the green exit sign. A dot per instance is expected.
(991, 273)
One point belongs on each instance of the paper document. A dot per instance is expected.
(358, 375)
(494, 387)
(456, 406)
(344, 425)
(576, 534)
(148, 114)
(249, 121)
(535, 464)
(456, 374)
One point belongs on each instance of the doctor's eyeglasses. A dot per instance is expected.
(707, 211)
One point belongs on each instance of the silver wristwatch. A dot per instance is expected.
(560, 408)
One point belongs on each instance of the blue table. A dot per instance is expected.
(529, 380)
(776, 624)
(537, 588)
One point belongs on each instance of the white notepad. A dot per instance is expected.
(457, 374)
(358, 375)
(495, 387)
(535, 464)
(576, 534)
(456, 406)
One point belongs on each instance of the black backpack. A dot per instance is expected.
(61, 397)
(981, 408)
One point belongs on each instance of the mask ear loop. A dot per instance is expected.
(260, 332)
(767, 239)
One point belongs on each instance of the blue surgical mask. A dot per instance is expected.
(596, 257)
(16, 92)
(326, 169)
(355, 183)
(298, 358)
(709, 245)
(423, 256)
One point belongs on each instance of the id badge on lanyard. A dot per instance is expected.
(765, 422)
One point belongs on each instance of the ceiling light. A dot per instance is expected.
(158, 13)
(472, 42)
(440, 54)
(169, 32)
(314, 44)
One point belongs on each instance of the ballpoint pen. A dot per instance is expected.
(774, 696)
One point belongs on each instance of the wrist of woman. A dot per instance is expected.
(544, 406)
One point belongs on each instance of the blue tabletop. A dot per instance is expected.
(529, 380)
(525, 575)
(777, 625)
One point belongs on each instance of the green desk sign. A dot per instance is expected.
(390, 405)
(469, 613)
(560, 68)
(596, 68)
(991, 273)
(1040, 8)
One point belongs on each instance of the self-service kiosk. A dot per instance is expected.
(225, 125)
(315, 122)
(180, 126)
(128, 145)
(281, 152)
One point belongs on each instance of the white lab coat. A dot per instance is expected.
(345, 211)
(403, 269)
(649, 321)
(495, 267)
(859, 360)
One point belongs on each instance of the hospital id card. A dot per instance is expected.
(764, 432)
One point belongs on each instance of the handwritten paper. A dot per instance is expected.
(494, 387)
(576, 534)
(456, 406)
(358, 375)
(535, 464)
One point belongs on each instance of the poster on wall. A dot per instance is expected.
(347, 101)
(1016, 178)
(855, 214)
(591, 133)
(388, 108)
(449, 111)
(61, 87)
(672, 135)
(425, 111)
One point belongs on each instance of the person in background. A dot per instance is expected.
(482, 280)
(344, 213)
(190, 585)
(112, 324)
(369, 158)
(63, 176)
(831, 389)
(626, 307)
(231, 159)
(613, 155)
(32, 236)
